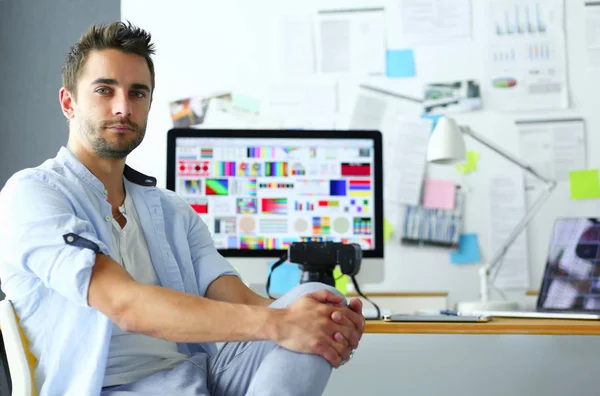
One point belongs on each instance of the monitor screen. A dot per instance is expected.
(571, 280)
(260, 190)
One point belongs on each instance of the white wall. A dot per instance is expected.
(231, 44)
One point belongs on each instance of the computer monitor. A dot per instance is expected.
(260, 190)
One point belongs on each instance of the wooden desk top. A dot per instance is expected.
(494, 326)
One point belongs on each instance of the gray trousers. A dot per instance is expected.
(241, 368)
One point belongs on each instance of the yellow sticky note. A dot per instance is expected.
(341, 282)
(584, 184)
(388, 230)
(470, 165)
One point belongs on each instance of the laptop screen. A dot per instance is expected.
(571, 280)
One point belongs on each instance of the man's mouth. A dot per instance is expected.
(120, 127)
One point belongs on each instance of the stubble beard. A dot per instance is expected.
(103, 148)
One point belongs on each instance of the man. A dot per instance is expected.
(118, 285)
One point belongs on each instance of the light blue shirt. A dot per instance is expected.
(54, 219)
(133, 356)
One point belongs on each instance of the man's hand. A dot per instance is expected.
(356, 320)
(307, 326)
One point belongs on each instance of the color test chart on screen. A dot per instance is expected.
(267, 193)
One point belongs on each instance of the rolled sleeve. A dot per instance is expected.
(208, 262)
(41, 237)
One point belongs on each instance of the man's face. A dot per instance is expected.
(110, 111)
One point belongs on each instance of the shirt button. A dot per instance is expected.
(107, 218)
(70, 239)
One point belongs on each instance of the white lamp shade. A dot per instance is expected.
(447, 144)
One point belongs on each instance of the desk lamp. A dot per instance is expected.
(447, 146)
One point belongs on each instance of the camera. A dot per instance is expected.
(317, 260)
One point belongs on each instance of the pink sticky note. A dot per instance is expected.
(439, 194)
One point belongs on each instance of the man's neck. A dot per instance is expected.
(108, 170)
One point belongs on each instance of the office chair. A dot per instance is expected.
(20, 360)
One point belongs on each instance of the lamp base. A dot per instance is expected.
(478, 306)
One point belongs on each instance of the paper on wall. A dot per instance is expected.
(552, 147)
(507, 204)
(191, 111)
(592, 33)
(468, 251)
(525, 55)
(404, 159)
(374, 107)
(351, 41)
(434, 21)
(405, 139)
(439, 194)
(302, 104)
(584, 184)
(296, 53)
(400, 63)
(369, 112)
(471, 164)
(222, 114)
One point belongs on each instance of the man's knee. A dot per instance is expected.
(301, 290)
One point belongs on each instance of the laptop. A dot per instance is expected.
(570, 286)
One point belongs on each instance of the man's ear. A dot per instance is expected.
(67, 103)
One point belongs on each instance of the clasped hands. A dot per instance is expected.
(319, 323)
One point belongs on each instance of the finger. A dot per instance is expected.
(356, 305)
(340, 346)
(350, 334)
(339, 318)
(353, 334)
(325, 296)
(339, 337)
(356, 318)
(346, 354)
(329, 353)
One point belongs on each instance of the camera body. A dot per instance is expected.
(318, 259)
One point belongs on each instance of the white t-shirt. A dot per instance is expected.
(132, 356)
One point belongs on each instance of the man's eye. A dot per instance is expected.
(138, 94)
(102, 91)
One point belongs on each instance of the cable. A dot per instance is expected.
(281, 260)
(355, 283)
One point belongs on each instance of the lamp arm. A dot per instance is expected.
(515, 160)
(537, 205)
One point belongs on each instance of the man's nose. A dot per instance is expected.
(122, 105)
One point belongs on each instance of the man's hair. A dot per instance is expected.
(121, 36)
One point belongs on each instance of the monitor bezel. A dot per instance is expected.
(376, 136)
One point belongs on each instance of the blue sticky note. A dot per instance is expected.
(284, 278)
(400, 63)
(433, 117)
(468, 250)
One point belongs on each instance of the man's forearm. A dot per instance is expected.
(174, 315)
(181, 317)
(230, 288)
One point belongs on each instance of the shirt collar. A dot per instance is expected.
(67, 158)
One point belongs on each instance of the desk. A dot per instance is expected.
(495, 326)
(502, 357)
